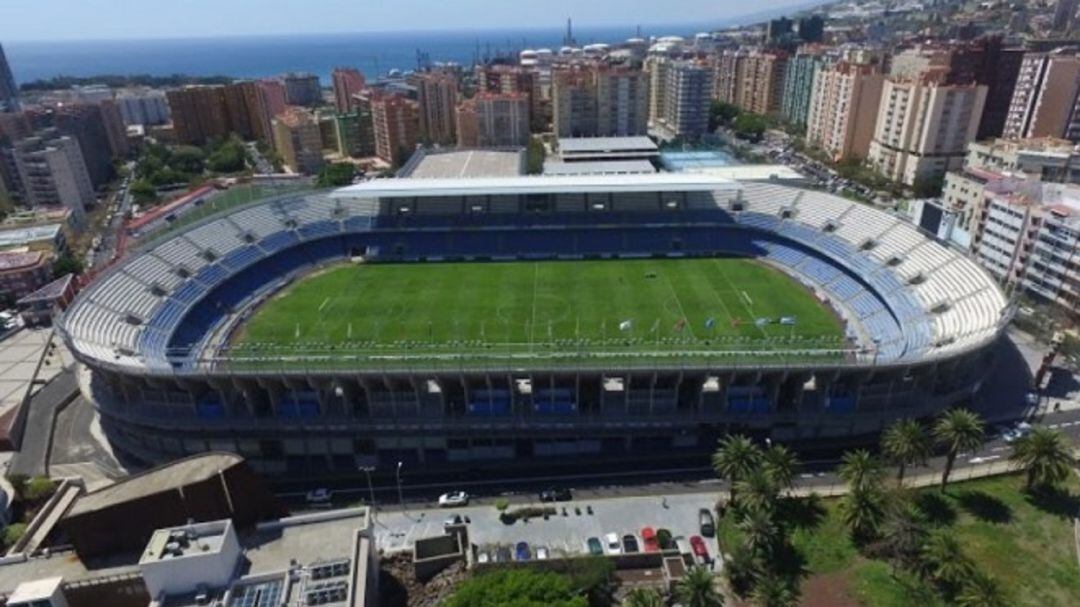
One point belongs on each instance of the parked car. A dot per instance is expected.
(648, 540)
(453, 499)
(560, 494)
(594, 546)
(614, 546)
(630, 544)
(706, 522)
(483, 557)
(1018, 431)
(502, 554)
(541, 553)
(701, 551)
(322, 495)
(522, 552)
(452, 520)
(682, 545)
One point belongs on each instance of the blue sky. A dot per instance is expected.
(95, 19)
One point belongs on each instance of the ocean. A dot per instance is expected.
(262, 56)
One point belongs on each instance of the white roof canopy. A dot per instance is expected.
(539, 184)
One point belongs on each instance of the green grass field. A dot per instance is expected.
(614, 308)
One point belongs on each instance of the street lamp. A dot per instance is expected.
(367, 470)
(397, 475)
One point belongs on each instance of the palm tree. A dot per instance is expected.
(643, 597)
(735, 458)
(698, 589)
(781, 464)
(903, 533)
(859, 469)
(759, 531)
(980, 590)
(863, 511)
(757, 491)
(945, 562)
(957, 430)
(773, 591)
(905, 444)
(741, 567)
(1046, 456)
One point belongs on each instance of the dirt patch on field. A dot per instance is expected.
(830, 590)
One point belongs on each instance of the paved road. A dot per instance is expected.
(32, 459)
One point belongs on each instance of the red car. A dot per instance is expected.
(648, 537)
(698, 546)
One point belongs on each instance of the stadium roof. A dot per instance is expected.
(536, 184)
(592, 145)
(468, 163)
(599, 167)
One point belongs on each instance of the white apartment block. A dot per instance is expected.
(1043, 159)
(923, 127)
(52, 172)
(1028, 236)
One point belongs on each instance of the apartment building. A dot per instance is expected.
(1028, 235)
(437, 99)
(843, 109)
(302, 89)
(799, 83)
(1045, 95)
(298, 139)
(396, 122)
(493, 120)
(52, 172)
(923, 126)
(347, 81)
(686, 92)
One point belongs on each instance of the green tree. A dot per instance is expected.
(771, 590)
(188, 159)
(780, 465)
(903, 534)
(13, 533)
(67, 264)
(643, 597)
(1045, 455)
(860, 470)
(336, 175)
(741, 567)
(519, 587)
(957, 430)
(230, 156)
(534, 156)
(698, 589)
(721, 114)
(7, 204)
(143, 191)
(750, 126)
(757, 491)
(905, 443)
(863, 512)
(760, 532)
(944, 562)
(735, 458)
(980, 590)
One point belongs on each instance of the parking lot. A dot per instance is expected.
(560, 534)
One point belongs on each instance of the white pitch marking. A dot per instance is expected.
(325, 301)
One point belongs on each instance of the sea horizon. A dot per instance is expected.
(265, 55)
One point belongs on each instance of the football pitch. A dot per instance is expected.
(544, 309)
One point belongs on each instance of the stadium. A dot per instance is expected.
(523, 320)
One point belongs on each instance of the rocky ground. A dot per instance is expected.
(398, 588)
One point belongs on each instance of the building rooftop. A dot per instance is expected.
(540, 184)
(189, 540)
(23, 236)
(599, 167)
(163, 478)
(49, 292)
(601, 145)
(36, 590)
(15, 261)
(465, 163)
